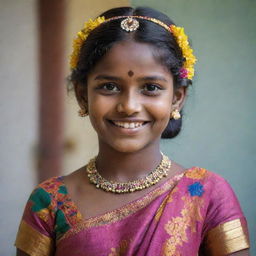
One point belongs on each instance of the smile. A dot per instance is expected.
(130, 125)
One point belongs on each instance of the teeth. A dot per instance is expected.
(128, 125)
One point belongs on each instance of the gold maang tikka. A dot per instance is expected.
(129, 24)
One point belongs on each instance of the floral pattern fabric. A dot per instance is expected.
(174, 219)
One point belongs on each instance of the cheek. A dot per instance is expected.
(98, 104)
(99, 108)
(161, 109)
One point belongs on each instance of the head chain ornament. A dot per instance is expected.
(129, 24)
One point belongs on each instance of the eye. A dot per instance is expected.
(108, 88)
(151, 89)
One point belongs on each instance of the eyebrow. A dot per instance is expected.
(146, 78)
(153, 78)
(107, 77)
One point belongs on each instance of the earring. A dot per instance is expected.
(175, 114)
(83, 112)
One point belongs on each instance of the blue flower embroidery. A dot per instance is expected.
(196, 189)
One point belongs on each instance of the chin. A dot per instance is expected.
(127, 147)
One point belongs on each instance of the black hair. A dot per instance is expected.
(103, 37)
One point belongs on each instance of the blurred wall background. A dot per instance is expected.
(19, 113)
(219, 123)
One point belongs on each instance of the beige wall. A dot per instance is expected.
(18, 107)
(80, 136)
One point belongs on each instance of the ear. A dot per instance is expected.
(179, 97)
(81, 95)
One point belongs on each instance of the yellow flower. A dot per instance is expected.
(81, 37)
(187, 52)
(92, 24)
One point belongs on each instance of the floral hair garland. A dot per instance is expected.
(81, 37)
(187, 70)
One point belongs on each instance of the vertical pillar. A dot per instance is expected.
(51, 87)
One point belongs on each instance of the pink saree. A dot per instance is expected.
(195, 213)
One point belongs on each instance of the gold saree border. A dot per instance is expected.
(226, 238)
(122, 212)
(32, 242)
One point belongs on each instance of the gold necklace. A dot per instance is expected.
(127, 187)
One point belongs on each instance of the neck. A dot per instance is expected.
(124, 167)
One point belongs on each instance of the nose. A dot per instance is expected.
(129, 104)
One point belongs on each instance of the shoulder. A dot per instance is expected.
(50, 187)
(214, 188)
(42, 205)
(220, 201)
(201, 173)
(206, 177)
(53, 186)
(46, 194)
(198, 181)
(50, 204)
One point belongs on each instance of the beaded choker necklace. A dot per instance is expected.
(127, 187)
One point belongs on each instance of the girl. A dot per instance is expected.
(131, 69)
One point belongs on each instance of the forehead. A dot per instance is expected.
(128, 56)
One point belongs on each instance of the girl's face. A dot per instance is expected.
(130, 96)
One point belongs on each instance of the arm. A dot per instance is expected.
(34, 235)
(225, 230)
